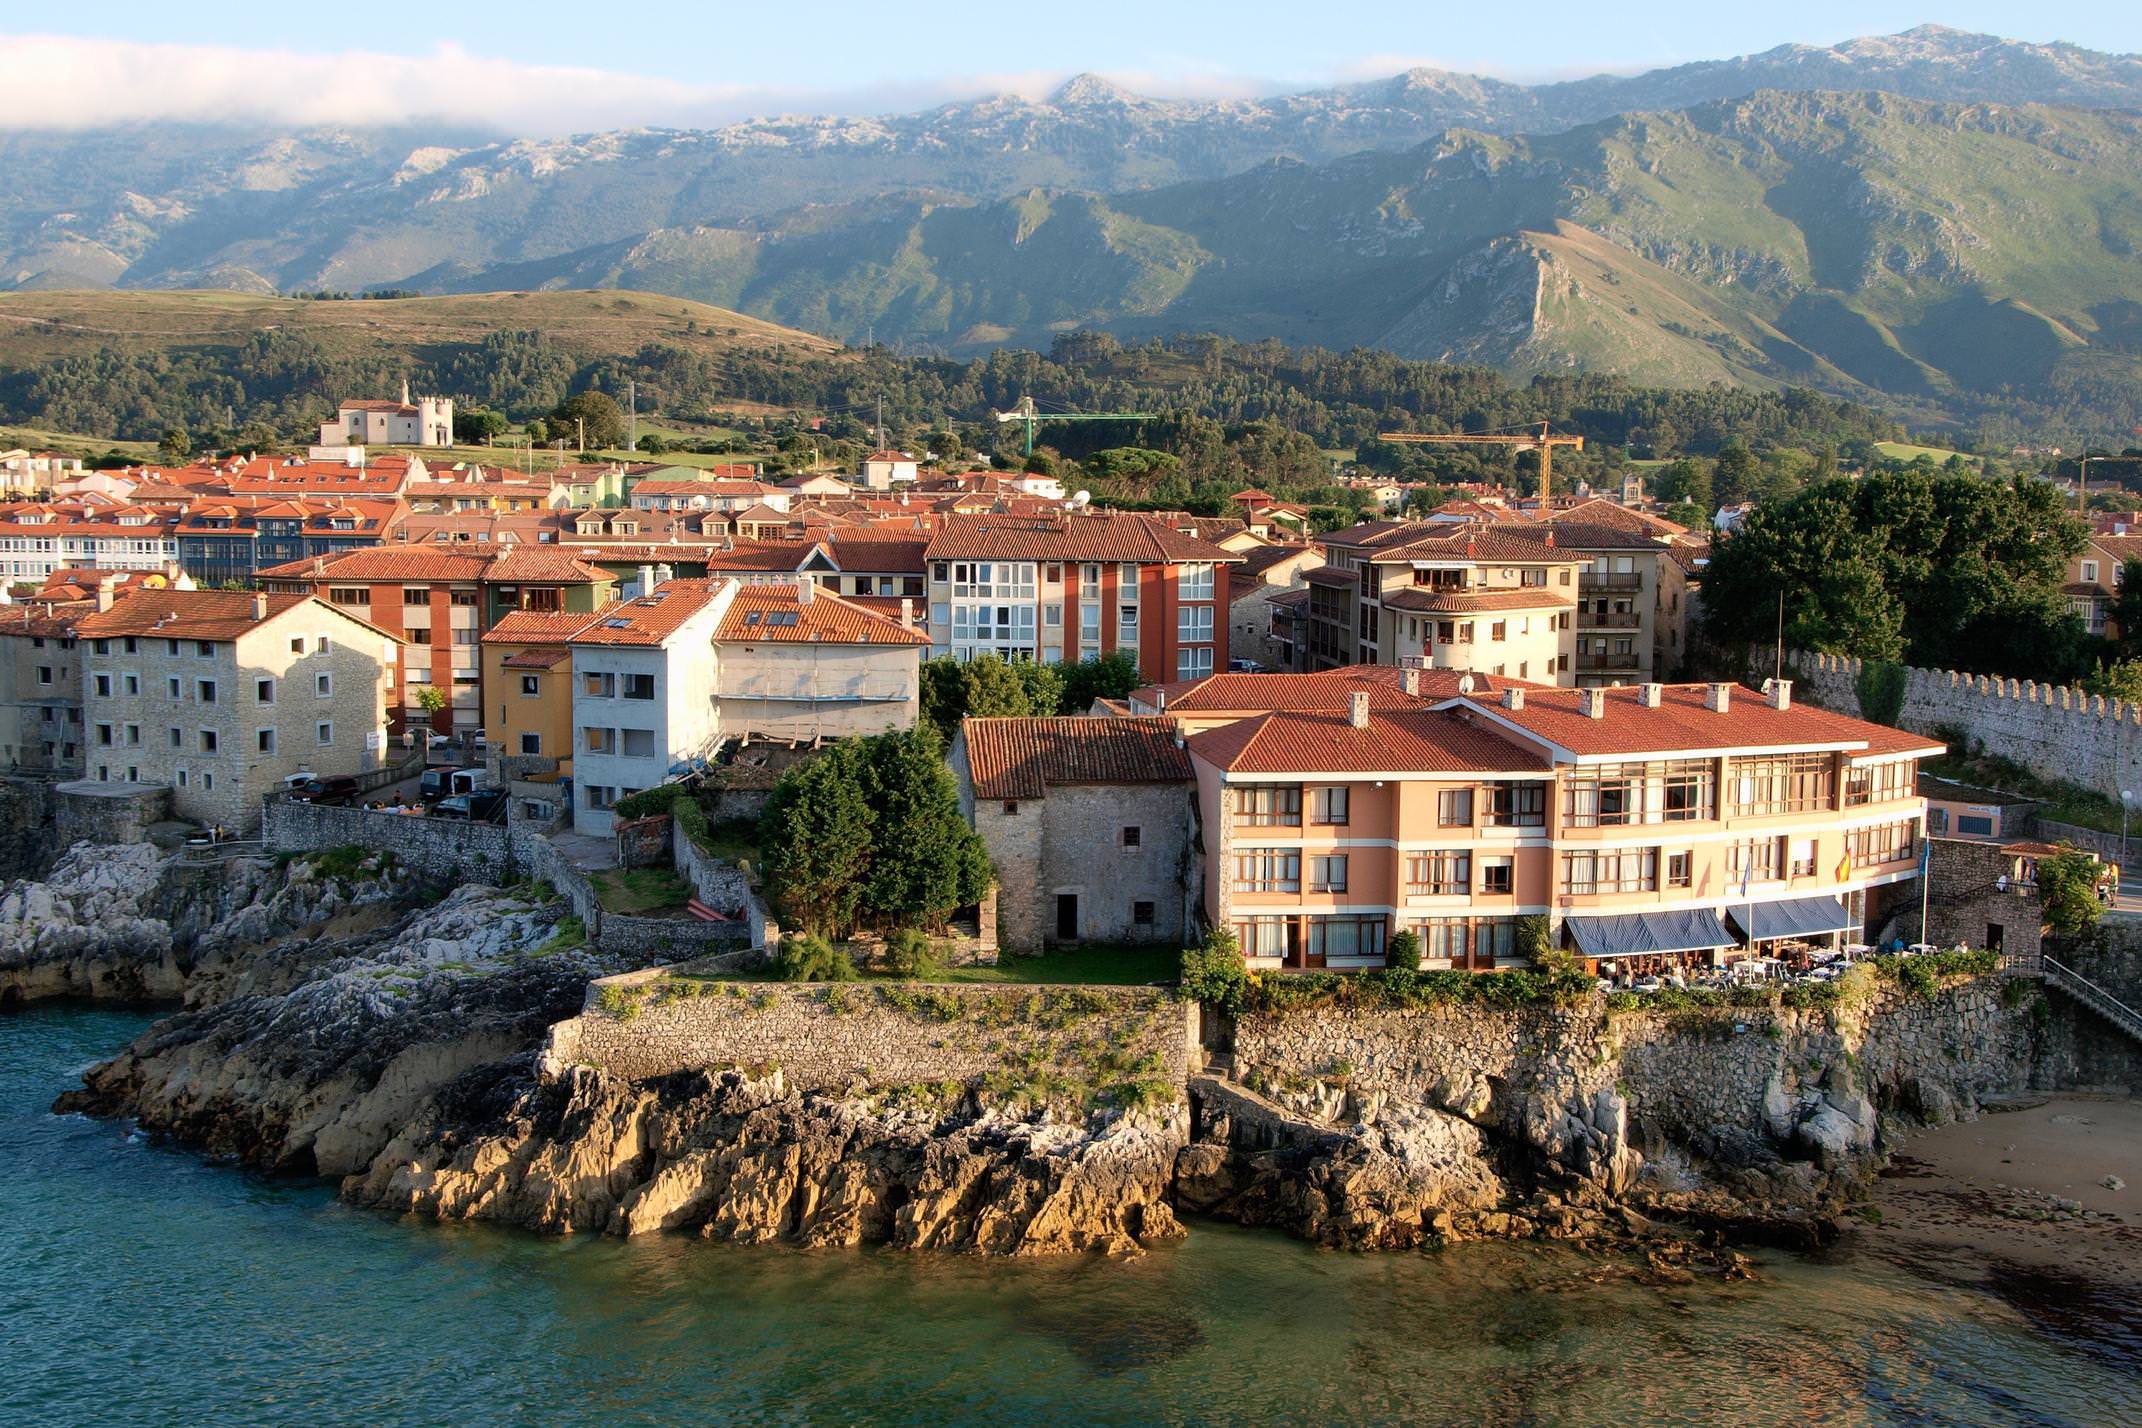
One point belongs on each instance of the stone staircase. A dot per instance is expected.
(2093, 996)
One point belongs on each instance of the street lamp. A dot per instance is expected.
(2127, 797)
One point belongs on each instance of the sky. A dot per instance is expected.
(541, 67)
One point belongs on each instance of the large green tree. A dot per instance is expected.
(1109, 676)
(593, 418)
(1948, 571)
(815, 837)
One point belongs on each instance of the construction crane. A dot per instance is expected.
(1025, 412)
(1543, 441)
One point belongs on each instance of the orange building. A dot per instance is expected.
(1690, 821)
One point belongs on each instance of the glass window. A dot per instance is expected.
(1328, 805)
(1517, 805)
(1341, 937)
(1327, 873)
(1611, 870)
(1497, 876)
(1268, 805)
(1440, 873)
(1268, 870)
(1454, 808)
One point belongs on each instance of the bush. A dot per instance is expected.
(811, 958)
(1396, 989)
(1214, 973)
(909, 954)
(1404, 951)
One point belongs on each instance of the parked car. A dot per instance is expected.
(340, 789)
(439, 782)
(1244, 666)
(485, 805)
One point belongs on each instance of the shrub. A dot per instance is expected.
(810, 958)
(1214, 972)
(1404, 951)
(2067, 892)
(1535, 939)
(909, 954)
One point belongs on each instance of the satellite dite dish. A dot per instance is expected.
(1465, 684)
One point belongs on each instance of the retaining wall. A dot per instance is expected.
(825, 1037)
(441, 847)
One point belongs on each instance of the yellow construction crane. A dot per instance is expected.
(1544, 441)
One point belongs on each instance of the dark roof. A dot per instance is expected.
(1018, 758)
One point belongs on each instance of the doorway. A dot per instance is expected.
(1067, 917)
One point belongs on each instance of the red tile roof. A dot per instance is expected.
(532, 627)
(1100, 538)
(187, 614)
(1394, 741)
(1488, 543)
(1470, 602)
(1020, 758)
(648, 619)
(874, 553)
(771, 614)
(1681, 724)
(1327, 691)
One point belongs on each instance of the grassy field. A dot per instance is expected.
(639, 891)
(1073, 966)
(67, 443)
(1903, 451)
(39, 326)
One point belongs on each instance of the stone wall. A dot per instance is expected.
(28, 846)
(100, 811)
(880, 1034)
(1071, 843)
(443, 847)
(1709, 1079)
(2055, 731)
(1966, 903)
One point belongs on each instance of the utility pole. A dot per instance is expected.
(581, 424)
(881, 423)
(1779, 671)
(632, 414)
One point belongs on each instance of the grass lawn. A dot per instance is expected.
(639, 891)
(1099, 964)
(1903, 451)
(2059, 801)
(733, 842)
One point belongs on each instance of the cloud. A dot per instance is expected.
(109, 82)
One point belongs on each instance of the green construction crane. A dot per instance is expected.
(1025, 412)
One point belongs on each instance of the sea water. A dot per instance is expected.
(140, 1284)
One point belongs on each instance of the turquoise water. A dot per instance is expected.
(139, 1285)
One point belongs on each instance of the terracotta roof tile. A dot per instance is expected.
(771, 614)
(1326, 691)
(1681, 724)
(1394, 741)
(1099, 538)
(187, 614)
(527, 627)
(1468, 602)
(1019, 758)
(648, 619)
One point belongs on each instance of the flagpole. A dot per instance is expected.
(1926, 862)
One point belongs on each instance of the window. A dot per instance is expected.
(1328, 805)
(1268, 805)
(171, 686)
(1517, 805)
(323, 733)
(1885, 843)
(531, 743)
(464, 597)
(1132, 835)
(204, 649)
(104, 686)
(1193, 624)
(349, 595)
(1141, 914)
(639, 686)
(1268, 870)
(206, 691)
(208, 741)
(417, 634)
(601, 796)
(1443, 939)
(1442, 873)
(264, 741)
(1781, 783)
(1267, 937)
(1611, 795)
(104, 735)
(1193, 662)
(1011, 806)
(1497, 876)
(178, 738)
(1498, 631)
(415, 595)
(2089, 572)
(531, 684)
(1611, 870)
(1052, 614)
(1754, 860)
(133, 734)
(264, 691)
(44, 674)
(1680, 869)
(636, 743)
(1454, 808)
(598, 741)
(323, 685)
(1800, 855)
(297, 646)
(1878, 783)
(600, 686)
(1342, 937)
(1327, 873)
(1195, 582)
(131, 683)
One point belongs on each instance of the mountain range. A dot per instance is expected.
(1947, 222)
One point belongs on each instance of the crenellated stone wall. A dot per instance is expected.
(833, 1036)
(2056, 731)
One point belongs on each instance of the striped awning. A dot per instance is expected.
(1790, 917)
(1634, 933)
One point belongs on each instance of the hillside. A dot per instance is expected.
(41, 326)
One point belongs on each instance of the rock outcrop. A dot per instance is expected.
(732, 1156)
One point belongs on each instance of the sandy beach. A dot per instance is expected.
(2041, 1206)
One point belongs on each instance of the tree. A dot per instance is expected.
(2125, 616)
(2067, 892)
(1733, 478)
(2121, 680)
(1110, 676)
(816, 837)
(174, 446)
(1043, 684)
(943, 695)
(926, 863)
(432, 700)
(994, 689)
(473, 426)
(1687, 513)
(592, 418)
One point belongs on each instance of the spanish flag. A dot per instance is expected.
(1844, 867)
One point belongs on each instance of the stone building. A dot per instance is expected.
(1980, 893)
(40, 690)
(795, 663)
(424, 421)
(1091, 823)
(222, 694)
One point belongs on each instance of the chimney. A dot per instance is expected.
(1650, 695)
(1780, 692)
(106, 591)
(1718, 698)
(1594, 701)
(907, 612)
(1409, 680)
(1160, 700)
(1513, 698)
(1357, 709)
(662, 574)
(260, 606)
(646, 579)
(805, 588)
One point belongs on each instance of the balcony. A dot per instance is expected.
(1607, 661)
(1618, 580)
(1626, 620)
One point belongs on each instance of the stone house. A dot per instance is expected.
(222, 694)
(41, 689)
(1266, 573)
(1092, 825)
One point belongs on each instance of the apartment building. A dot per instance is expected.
(645, 699)
(1074, 586)
(1680, 822)
(38, 538)
(1266, 573)
(439, 603)
(41, 708)
(220, 694)
(2095, 576)
(527, 683)
(794, 663)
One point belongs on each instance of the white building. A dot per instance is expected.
(645, 693)
(426, 421)
(882, 470)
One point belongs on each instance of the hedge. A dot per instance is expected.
(673, 799)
